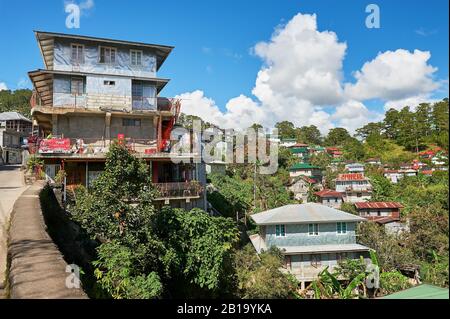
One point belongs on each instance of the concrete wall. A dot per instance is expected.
(37, 267)
(298, 235)
(62, 60)
(332, 202)
(97, 94)
(146, 131)
(94, 127)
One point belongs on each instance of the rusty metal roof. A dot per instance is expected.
(377, 205)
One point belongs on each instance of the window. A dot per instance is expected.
(136, 57)
(131, 122)
(341, 228)
(107, 55)
(77, 55)
(280, 230)
(137, 89)
(378, 213)
(335, 200)
(77, 86)
(313, 229)
(358, 194)
(109, 83)
(316, 260)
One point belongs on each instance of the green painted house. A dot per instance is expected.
(311, 237)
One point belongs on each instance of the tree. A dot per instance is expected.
(285, 129)
(309, 135)
(369, 129)
(337, 136)
(390, 123)
(353, 149)
(322, 160)
(148, 253)
(16, 101)
(259, 276)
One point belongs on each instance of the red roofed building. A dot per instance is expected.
(356, 187)
(330, 198)
(379, 211)
(383, 213)
(335, 152)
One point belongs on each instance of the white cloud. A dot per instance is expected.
(353, 114)
(394, 75)
(412, 102)
(3, 86)
(301, 81)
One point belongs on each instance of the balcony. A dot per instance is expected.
(178, 190)
(105, 102)
(98, 147)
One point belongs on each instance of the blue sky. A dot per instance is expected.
(214, 40)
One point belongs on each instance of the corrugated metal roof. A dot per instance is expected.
(322, 248)
(329, 193)
(351, 177)
(303, 213)
(420, 292)
(378, 205)
(10, 116)
(301, 166)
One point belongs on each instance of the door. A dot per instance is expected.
(316, 260)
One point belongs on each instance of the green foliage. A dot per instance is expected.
(117, 275)
(259, 276)
(309, 135)
(16, 101)
(337, 136)
(382, 188)
(349, 208)
(285, 129)
(150, 253)
(393, 281)
(322, 160)
(327, 286)
(390, 249)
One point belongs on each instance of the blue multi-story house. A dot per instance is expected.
(311, 236)
(95, 90)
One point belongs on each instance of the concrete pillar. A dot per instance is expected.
(155, 127)
(302, 285)
(107, 126)
(54, 124)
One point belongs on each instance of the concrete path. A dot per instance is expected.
(38, 269)
(11, 187)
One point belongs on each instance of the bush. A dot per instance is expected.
(393, 281)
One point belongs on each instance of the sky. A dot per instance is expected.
(235, 63)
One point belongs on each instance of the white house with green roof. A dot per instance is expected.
(311, 237)
(306, 169)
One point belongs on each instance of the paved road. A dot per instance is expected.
(11, 186)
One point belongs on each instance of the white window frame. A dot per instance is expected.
(100, 47)
(341, 232)
(314, 233)
(280, 235)
(131, 57)
(78, 62)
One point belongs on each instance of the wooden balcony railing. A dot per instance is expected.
(179, 189)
